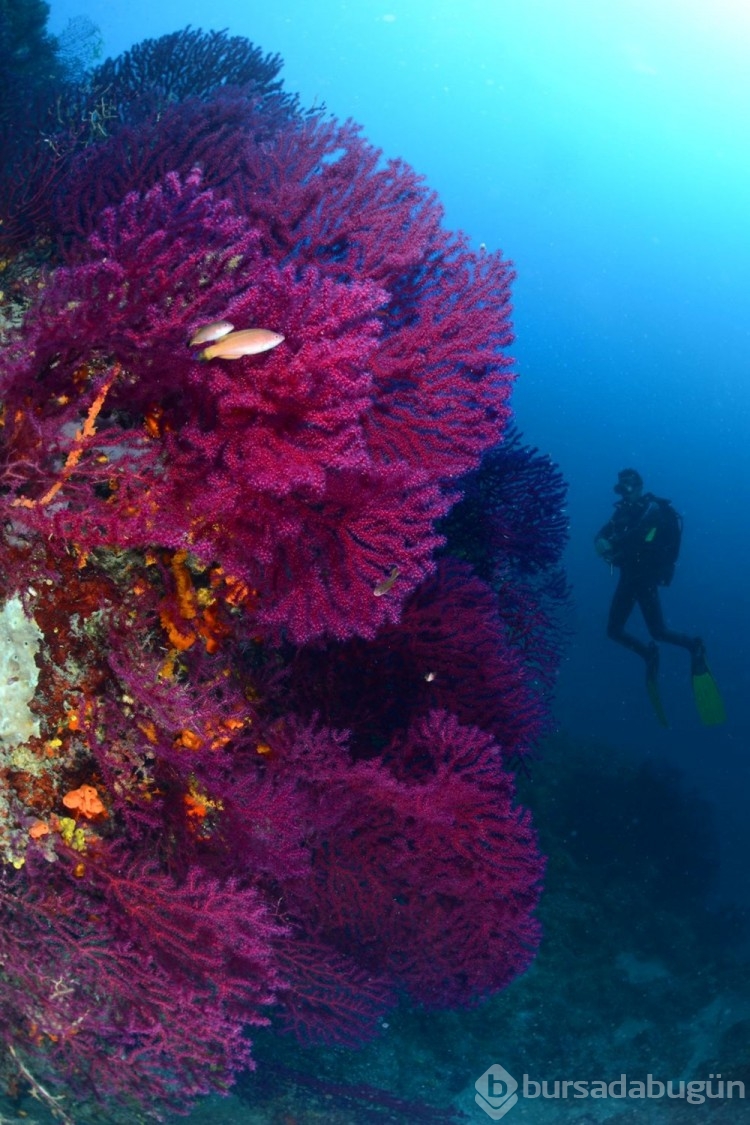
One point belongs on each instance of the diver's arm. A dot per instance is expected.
(603, 544)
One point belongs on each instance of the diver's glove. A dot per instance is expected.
(603, 548)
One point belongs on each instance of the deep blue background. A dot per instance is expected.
(602, 144)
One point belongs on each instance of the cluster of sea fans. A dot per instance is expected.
(262, 769)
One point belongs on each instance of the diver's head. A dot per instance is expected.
(629, 484)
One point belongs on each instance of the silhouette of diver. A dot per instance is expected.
(642, 539)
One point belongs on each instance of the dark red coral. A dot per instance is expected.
(318, 195)
(451, 650)
(441, 378)
(215, 551)
(213, 136)
(133, 985)
(290, 469)
(431, 874)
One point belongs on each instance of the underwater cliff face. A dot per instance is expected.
(273, 705)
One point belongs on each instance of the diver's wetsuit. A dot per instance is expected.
(626, 531)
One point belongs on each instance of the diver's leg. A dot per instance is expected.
(650, 603)
(651, 610)
(623, 604)
(707, 696)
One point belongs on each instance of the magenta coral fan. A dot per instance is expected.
(452, 650)
(263, 464)
(441, 378)
(429, 874)
(118, 987)
(295, 728)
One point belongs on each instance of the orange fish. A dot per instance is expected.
(251, 341)
(209, 332)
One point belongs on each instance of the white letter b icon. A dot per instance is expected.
(496, 1091)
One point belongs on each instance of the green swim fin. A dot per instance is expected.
(652, 685)
(707, 698)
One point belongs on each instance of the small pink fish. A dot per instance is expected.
(251, 341)
(208, 332)
(386, 585)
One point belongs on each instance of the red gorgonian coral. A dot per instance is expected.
(260, 760)
(309, 472)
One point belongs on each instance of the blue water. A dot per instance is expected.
(603, 146)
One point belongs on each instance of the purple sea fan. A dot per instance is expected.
(431, 874)
(511, 518)
(129, 985)
(186, 63)
(319, 196)
(450, 650)
(318, 193)
(279, 436)
(213, 135)
(154, 268)
(512, 527)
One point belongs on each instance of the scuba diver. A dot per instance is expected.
(642, 539)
